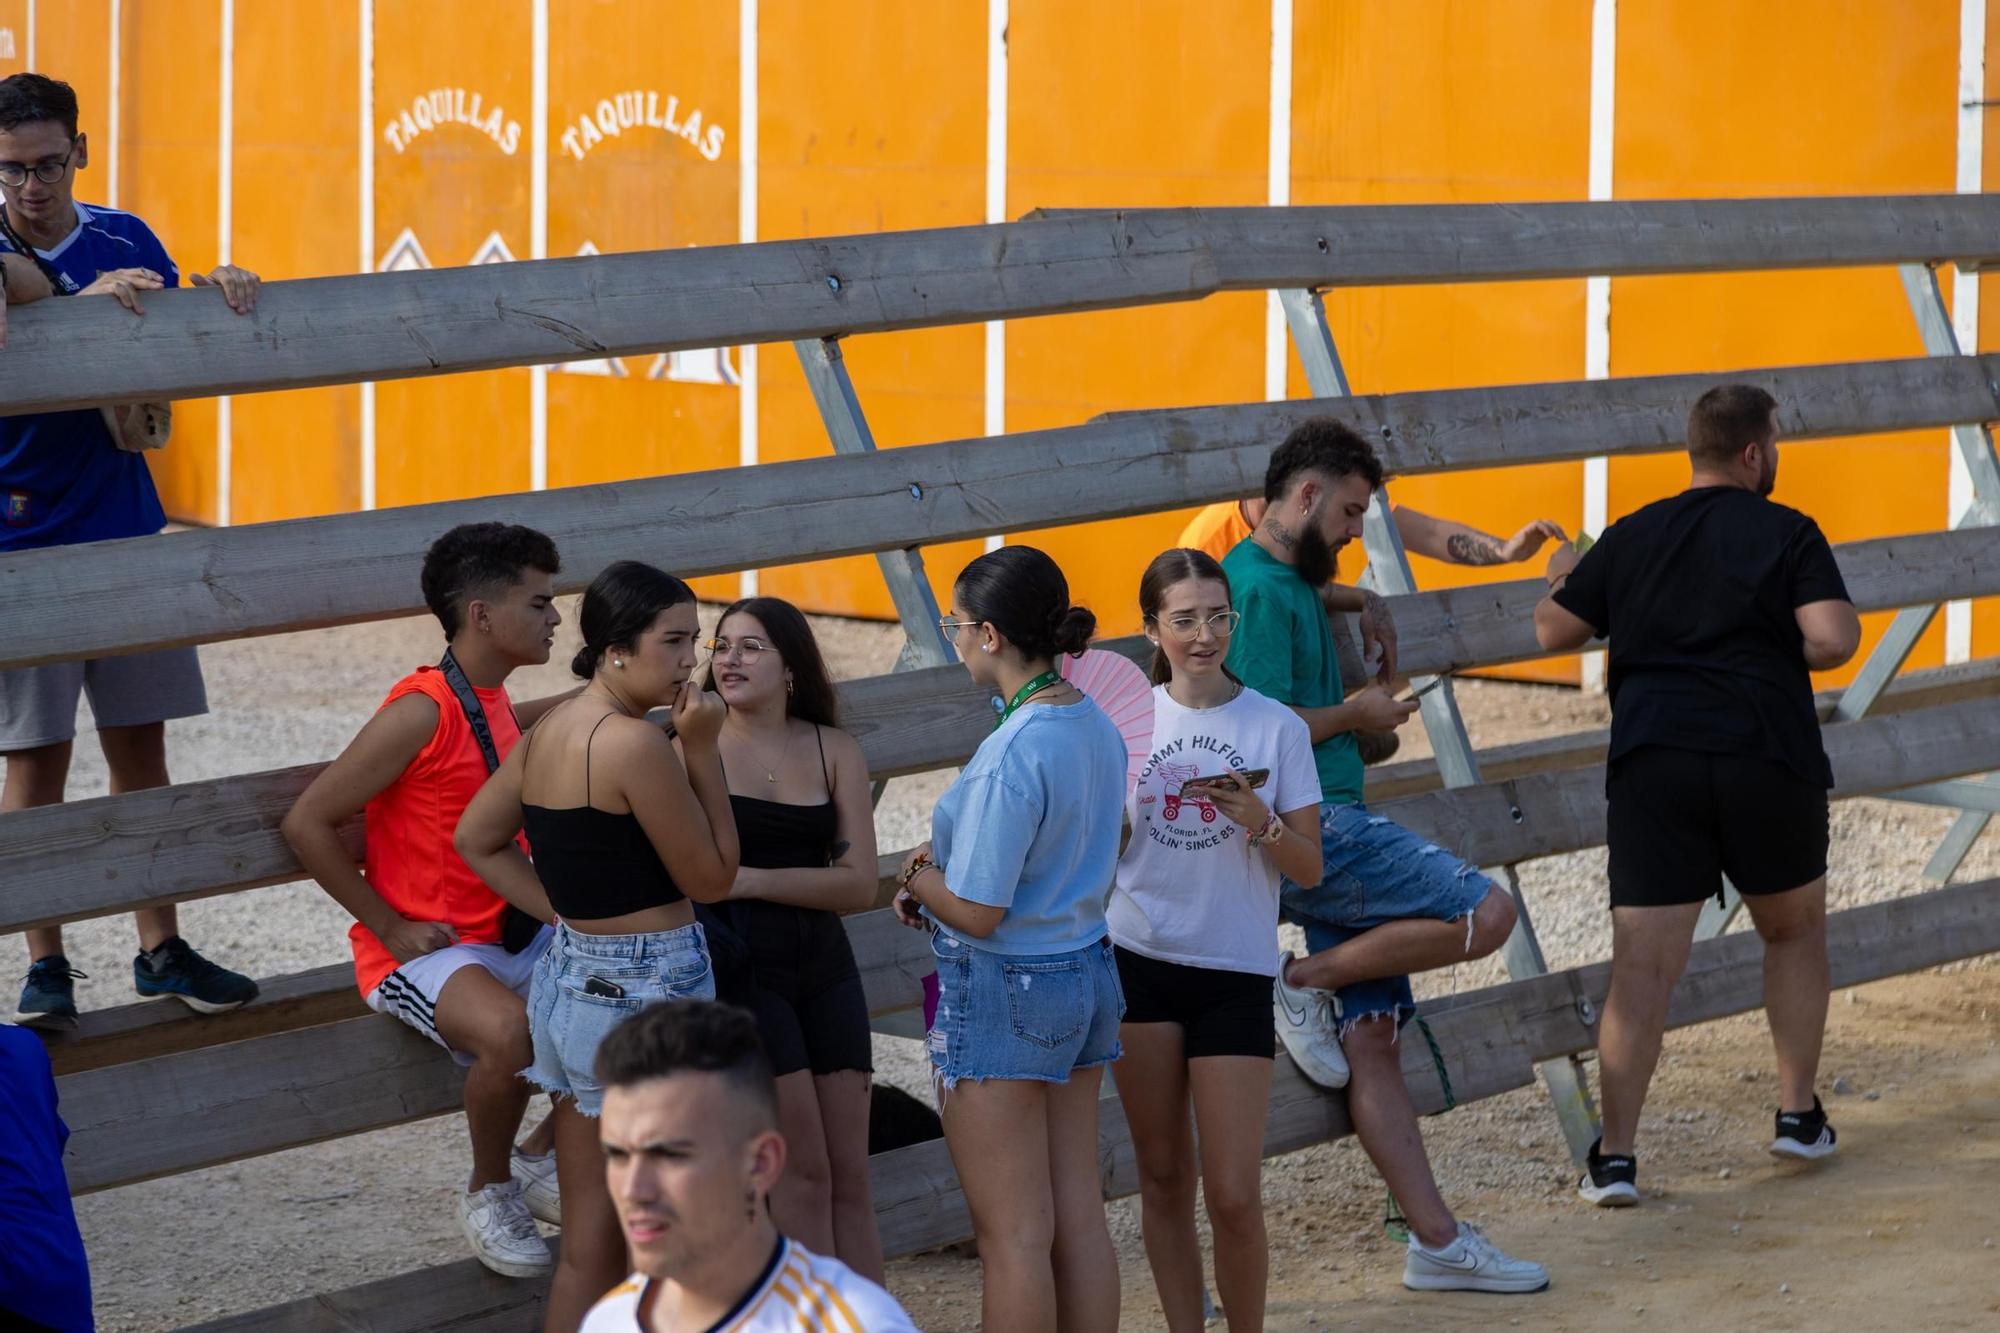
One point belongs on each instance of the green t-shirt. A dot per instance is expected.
(1284, 650)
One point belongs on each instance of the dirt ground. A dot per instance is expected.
(1923, 1157)
(1898, 1230)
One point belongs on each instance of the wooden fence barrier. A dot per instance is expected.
(306, 1064)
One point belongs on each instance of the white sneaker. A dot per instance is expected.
(1470, 1263)
(537, 1178)
(1309, 1029)
(504, 1237)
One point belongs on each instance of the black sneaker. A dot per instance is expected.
(48, 999)
(175, 969)
(1609, 1182)
(1804, 1134)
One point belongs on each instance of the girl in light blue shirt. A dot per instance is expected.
(1014, 882)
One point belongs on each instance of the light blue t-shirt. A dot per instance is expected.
(1032, 825)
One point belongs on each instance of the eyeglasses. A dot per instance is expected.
(14, 175)
(950, 626)
(1188, 628)
(748, 649)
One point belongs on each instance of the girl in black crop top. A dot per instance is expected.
(799, 788)
(626, 829)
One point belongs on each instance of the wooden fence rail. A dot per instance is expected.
(171, 844)
(132, 1122)
(201, 586)
(391, 325)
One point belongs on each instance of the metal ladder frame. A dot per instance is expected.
(1389, 573)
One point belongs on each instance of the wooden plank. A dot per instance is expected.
(149, 1029)
(205, 585)
(442, 321)
(172, 844)
(158, 1117)
(1925, 688)
(1490, 1038)
(464, 1297)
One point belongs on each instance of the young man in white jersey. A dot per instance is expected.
(692, 1151)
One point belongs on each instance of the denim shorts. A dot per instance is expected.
(1375, 871)
(1023, 1016)
(567, 1024)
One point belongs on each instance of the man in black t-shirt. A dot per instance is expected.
(1718, 605)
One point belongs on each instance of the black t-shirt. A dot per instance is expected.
(1696, 594)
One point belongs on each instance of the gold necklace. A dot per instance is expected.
(771, 770)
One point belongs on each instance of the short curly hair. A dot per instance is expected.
(691, 1036)
(476, 559)
(1321, 444)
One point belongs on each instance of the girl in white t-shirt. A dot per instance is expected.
(1194, 920)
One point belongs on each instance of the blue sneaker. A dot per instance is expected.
(176, 969)
(48, 1000)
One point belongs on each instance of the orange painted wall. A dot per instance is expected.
(454, 187)
(1860, 102)
(621, 179)
(13, 37)
(296, 182)
(874, 117)
(1451, 101)
(890, 134)
(1179, 115)
(170, 102)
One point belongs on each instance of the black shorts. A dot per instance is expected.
(793, 968)
(1682, 819)
(1220, 1013)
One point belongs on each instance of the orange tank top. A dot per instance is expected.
(1218, 528)
(411, 862)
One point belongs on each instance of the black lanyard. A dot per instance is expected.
(517, 928)
(62, 285)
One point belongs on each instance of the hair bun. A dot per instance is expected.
(584, 664)
(1073, 630)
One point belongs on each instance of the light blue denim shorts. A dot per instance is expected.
(1374, 871)
(1023, 1016)
(567, 1023)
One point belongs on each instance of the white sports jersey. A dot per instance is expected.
(801, 1292)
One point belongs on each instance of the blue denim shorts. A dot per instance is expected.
(1023, 1016)
(1375, 871)
(567, 1024)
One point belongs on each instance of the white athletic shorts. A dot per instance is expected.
(411, 991)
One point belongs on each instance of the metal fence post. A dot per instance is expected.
(1389, 573)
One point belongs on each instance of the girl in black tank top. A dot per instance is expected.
(798, 787)
(625, 831)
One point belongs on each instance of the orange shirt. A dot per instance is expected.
(411, 862)
(1219, 527)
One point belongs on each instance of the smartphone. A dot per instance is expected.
(1256, 777)
(1419, 693)
(610, 990)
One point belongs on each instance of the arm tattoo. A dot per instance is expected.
(1376, 608)
(1470, 548)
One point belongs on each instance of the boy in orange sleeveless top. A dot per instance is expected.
(432, 944)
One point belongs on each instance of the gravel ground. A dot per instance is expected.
(328, 1216)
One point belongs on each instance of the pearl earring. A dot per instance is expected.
(618, 662)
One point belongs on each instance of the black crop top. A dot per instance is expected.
(776, 835)
(594, 863)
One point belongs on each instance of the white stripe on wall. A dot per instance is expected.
(746, 232)
(30, 50)
(996, 211)
(1597, 291)
(538, 231)
(367, 259)
(1278, 189)
(112, 118)
(1965, 285)
(225, 228)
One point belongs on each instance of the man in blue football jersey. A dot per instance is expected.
(64, 478)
